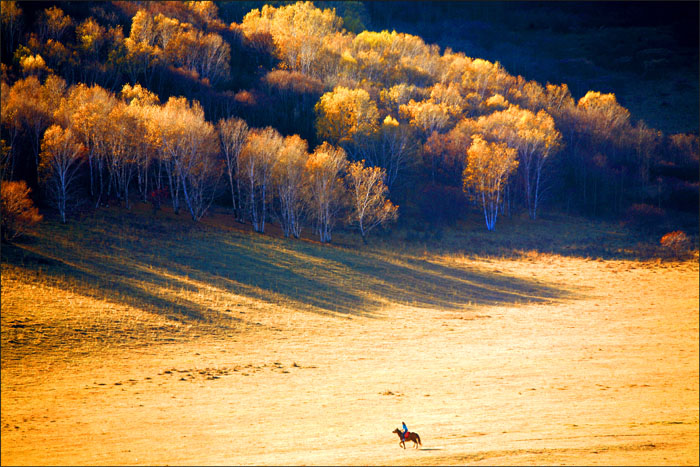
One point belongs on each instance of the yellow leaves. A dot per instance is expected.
(90, 35)
(290, 164)
(53, 23)
(323, 166)
(143, 29)
(126, 129)
(602, 113)
(294, 147)
(594, 99)
(53, 138)
(294, 151)
(433, 115)
(483, 78)
(453, 65)
(496, 101)
(10, 13)
(344, 114)
(261, 147)
(325, 189)
(204, 55)
(206, 10)
(298, 31)
(488, 165)
(347, 58)
(86, 110)
(166, 29)
(487, 170)
(390, 121)
(399, 94)
(59, 150)
(326, 161)
(137, 95)
(605, 105)
(233, 133)
(187, 138)
(33, 64)
(370, 207)
(523, 129)
(378, 41)
(392, 58)
(426, 115)
(449, 96)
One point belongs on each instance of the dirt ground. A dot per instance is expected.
(606, 375)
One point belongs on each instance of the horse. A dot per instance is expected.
(411, 437)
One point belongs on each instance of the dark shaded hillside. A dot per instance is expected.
(644, 52)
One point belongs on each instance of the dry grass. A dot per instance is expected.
(142, 341)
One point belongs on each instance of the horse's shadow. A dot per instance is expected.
(430, 449)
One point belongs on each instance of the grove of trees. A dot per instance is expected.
(113, 102)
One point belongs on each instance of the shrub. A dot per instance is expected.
(18, 212)
(676, 243)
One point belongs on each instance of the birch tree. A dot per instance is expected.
(85, 110)
(487, 170)
(257, 159)
(290, 179)
(534, 136)
(58, 169)
(326, 193)
(368, 196)
(232, 136)
(190, 144)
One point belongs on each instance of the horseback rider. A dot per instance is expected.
(405, 430)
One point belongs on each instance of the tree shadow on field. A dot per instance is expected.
(106, 280)
(170, 267)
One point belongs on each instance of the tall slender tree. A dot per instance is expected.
(368, 198)
(326, 194)
(487, 170)
(60, 161)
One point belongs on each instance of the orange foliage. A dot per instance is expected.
(677, 242)
(17, 212)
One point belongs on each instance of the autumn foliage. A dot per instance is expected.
(301, 119)
(368, 198)
(677, 243)
(17, 210)
(488, 167)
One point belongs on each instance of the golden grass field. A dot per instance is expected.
(133, 340)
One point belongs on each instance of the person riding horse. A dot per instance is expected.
(405, 436)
